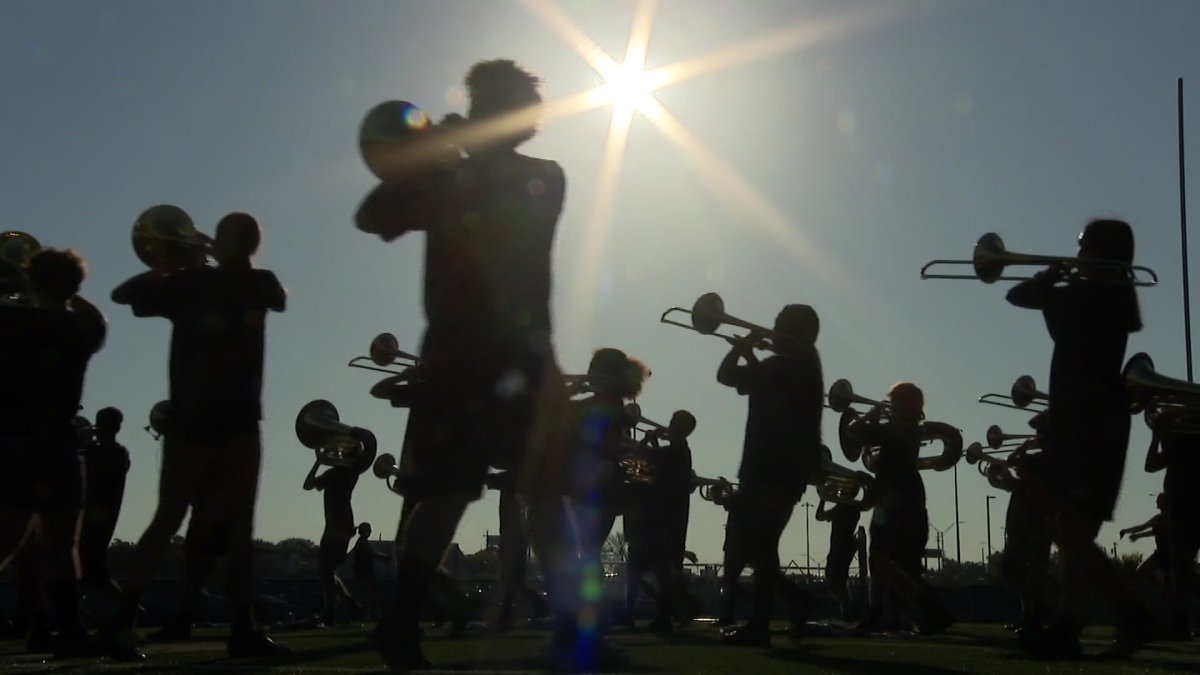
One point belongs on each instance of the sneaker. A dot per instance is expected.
(253, 644)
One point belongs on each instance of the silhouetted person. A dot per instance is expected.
(842, 519)
(899, 522)
(48, 342)
(1026, 556)
(657, 518)
(489, 219)
(1179, 453)
(1158, 562)
(213, 449)
(514, 551)
(1089, 315)
(106, 462)
(781, 454)
(337, 483)
(363, 558)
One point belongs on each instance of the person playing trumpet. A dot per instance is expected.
(900, 522)
(781, 454)
(656, 519)
(213, 449)
(48, 342)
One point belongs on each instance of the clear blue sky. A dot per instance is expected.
(902, 138)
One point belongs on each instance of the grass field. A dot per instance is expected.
(964, 649)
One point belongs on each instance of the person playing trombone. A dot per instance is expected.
(1089, 316)
(780, 455)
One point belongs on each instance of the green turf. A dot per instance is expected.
(964, 649)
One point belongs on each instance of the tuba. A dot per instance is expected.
(841, 485)
(335, 443)
(990, 259)
(385, 468)
(16, 248)
(708, 315)
(165, 239)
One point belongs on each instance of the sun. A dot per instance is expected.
(630, 87)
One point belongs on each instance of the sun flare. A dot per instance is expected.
(630, 87)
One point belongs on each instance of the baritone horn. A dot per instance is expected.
(841, 485)
(1170, 404)
(841, 396)
(16, 248)
(335, 443)
(165, 239)
(707, 315)
(385, 351)
(990, 259)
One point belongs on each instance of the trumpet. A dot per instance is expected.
(841, 485)
(16, 248)
(990, 259)
(385, 468)
(165, 239)
(708, 315)
(159, 420)
(385, 351)
(716, 490)
(335, 443)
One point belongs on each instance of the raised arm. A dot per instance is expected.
(730, 373)
(1035, 293)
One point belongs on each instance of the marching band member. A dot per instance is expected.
(842, 519)
(1026, 556)
(1160, 560)
(1179, 453)
(337, 483)
(48, 343)
(900, 522)
(657, 518)
(106, 462)
(782, 451)
(489, 219)
(1089, 319)
(363, 566)
(211, 456)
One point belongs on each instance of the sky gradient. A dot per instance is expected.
(900, 134)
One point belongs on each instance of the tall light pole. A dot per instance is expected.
(988, 508)
(807, 558)
(957, 520)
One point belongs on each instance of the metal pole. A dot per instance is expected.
(988, 504)
(807, 558)
(957, 520)
(1183, 242)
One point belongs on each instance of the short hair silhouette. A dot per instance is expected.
(800, 322)
(364, 529)
(238, 235)
(109, 417)
(626, 374)
(907, 396)
(499, 87)
(55, 273)
(1108, 239)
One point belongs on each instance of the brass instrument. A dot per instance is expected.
(1025, 393)
(159, 420)
(1170, 404)
(708, 315)
(165, 239)
(16, 248)
(990, 259)
(996, 438)
(335, 443)
(385, 468)
(997, 472)
(384, 352)
(398, 141)
(841, 485)
(716, 490)
(854, 439)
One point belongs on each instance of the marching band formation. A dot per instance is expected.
(489, 407)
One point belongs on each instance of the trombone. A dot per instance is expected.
(1024, 395)
(997, 439)
(707, 315)
(990, 259)
(385, 351)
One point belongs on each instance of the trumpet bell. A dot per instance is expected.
(1025, 392)
(164, 238)
(988, 258)
(386, 133)
(385, 351)
(384, 466)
